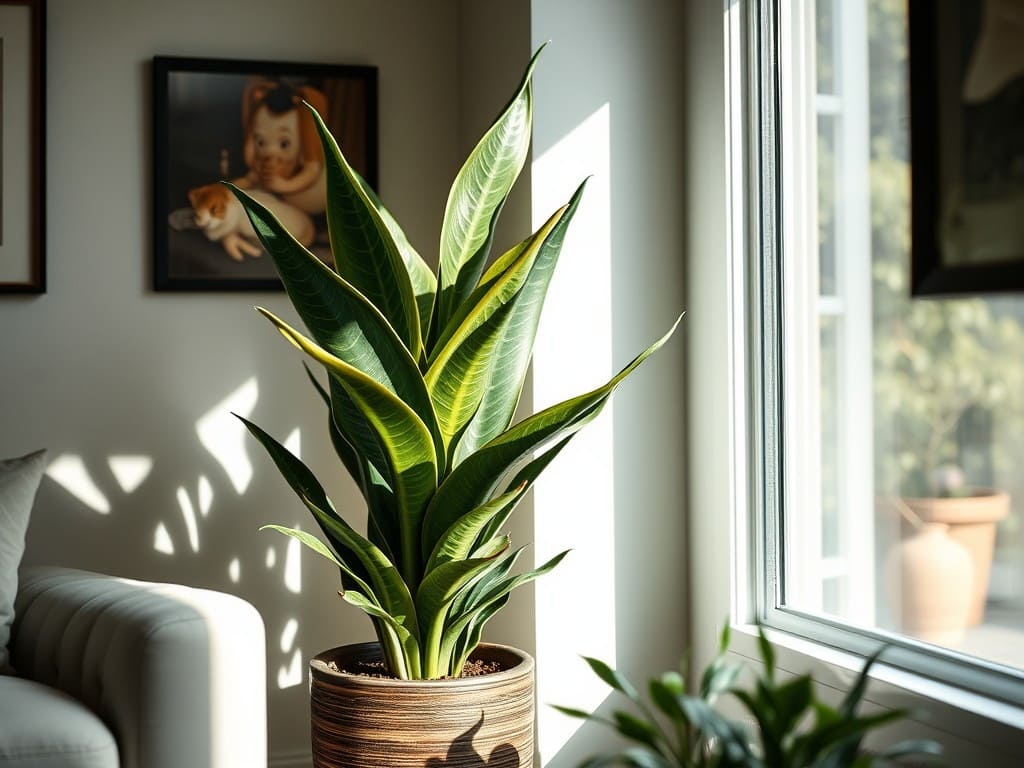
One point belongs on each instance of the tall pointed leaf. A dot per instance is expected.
(374, 567)
(339, 317)
(514, 350)
(460, 539)
(405, 439)
(460, 372)
(473, 481)
(365, 253)
(424, 284)
(477, 196)
(437, 591)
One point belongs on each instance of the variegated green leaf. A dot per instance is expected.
(339, 317)
(406, 441)
(474, 480)
(365, 253)
(459, 541)
(477, 196)
(424, 283)
(437, 591)
(514, 349)
(465, 627)
(460, 371)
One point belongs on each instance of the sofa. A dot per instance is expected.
(98, 671)
(115, 673)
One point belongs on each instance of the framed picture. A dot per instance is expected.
(245, 122)
(967, 146)
(22, 136)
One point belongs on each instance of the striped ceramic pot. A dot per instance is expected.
(361, 721)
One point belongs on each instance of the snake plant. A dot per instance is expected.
(423, 378)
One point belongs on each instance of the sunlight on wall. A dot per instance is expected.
(290, 676)
(271, 559)
(293, 566)
(224, 436)
(130, 471)
(189, 515)
(288, 636)
(71, 473)
(574, 354)
(162, 540)
(205, 496)
(294, 442)
(235, 571)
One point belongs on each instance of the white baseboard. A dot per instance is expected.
(295, 759)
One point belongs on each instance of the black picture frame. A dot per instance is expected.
(22, 147)
(240, 120)
(967, 151)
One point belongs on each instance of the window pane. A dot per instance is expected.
(904, 456)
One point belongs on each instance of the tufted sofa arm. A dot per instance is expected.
(177, 673)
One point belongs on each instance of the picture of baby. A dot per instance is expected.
(248, 123)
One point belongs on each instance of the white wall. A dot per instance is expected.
(102, 366)
(609, 105)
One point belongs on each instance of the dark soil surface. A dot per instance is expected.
(376, 668)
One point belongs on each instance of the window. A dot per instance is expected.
(847, 398)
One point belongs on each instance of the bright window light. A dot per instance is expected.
(573, 354)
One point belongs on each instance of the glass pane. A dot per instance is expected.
(823, 14)
(910, 413)
(830, 471)
(827, 200)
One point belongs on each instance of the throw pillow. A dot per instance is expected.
(19, 479)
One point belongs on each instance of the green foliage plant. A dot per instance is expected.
(424, 375)
(792, 728)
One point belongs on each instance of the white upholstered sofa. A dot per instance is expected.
(114, 673)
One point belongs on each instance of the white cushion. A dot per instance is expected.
(43, 728)
(19, 479)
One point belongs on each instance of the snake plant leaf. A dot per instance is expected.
(477, 611)
(313, 543)
(459, 541)
(365, 252)
(374, 567)
(338, 316)
(424, 283)
(382, 522)
(477, 196)
(527, 475)
(407, 442)
(460, 372)
(392, 633)
(437, 591)
(472, 482)
(514, 350)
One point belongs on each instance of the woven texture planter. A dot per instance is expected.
(367, 722)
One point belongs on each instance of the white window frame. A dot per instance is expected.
(730, 443)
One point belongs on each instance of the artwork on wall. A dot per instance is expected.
(967, 146)
(22, 136)
(245, 122)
